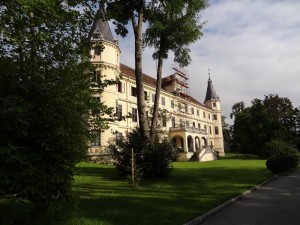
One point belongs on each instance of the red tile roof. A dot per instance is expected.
(127, 71)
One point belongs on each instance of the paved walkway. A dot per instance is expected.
(275, 203)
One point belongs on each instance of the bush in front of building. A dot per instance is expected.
(281, 156)
(150, 159)
(282, 163)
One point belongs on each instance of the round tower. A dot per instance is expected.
(105, 56)
(213, 102)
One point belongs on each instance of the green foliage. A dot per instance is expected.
(227, 135)
(151, 159)
(273, 118)
(282, 163)
(106, 198)
(277, 148)
(45, 99)
(281, 156)
(173, 25)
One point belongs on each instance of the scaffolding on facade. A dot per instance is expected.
(180, 79)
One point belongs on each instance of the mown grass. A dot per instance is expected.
(192, 189)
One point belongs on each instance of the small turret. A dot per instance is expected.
(101, 31)
(212, 101)
(211, 98)
(210, 92)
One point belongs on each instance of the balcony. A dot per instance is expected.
(188, 129)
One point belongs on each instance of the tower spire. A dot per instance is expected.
(210, 91)
(101, 29)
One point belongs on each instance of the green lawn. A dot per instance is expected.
(193, 188)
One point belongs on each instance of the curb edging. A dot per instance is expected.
(210, 213)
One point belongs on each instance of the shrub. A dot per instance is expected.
(282, 163)
(151, 160)
(277, 148)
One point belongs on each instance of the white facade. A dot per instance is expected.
(192, 126)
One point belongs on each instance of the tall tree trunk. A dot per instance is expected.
(157, 97)
(137, 27)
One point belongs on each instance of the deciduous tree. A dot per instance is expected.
(173, 25)
(124, 12)
(273, 119)
(45, 97)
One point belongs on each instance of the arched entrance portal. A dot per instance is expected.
(203, 142)
(190, 143)
(197, 143)
(178, 143)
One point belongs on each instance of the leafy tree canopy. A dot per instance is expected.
(272, 119)
(45, 99)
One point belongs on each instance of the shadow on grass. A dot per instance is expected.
(186, 194)
(92, 169)
(105, 198)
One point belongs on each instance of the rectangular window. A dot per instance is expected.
(192, 110)
(194, 124)
(199, 125)
(121, 87)
(197, 112)
(163, 101)
(153, 97)
(145, 95)
(95, 110)
(186, 108)
(164, 121)
(209, 116)
(181, 122)
(215, 117)
(96, 76)
(97, 50)
(134, 114)
(209, 129)
(133, 91)
(214, 104)
(172, 104)
(204, 116)
(96, 135)
(119, 112)
(173, 122)
(217, 130)
(179, 106)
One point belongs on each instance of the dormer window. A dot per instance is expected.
(97, 35)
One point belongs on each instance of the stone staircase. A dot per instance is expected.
(207, 154)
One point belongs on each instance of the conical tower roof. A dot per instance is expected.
(210, 92)
(101, 29)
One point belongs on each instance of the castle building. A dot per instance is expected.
(192, 126)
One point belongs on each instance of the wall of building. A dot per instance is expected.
(197, 124)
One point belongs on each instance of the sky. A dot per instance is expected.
(252, 48)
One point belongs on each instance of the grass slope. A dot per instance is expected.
(193, 188)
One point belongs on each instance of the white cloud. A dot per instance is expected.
(252, 47)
